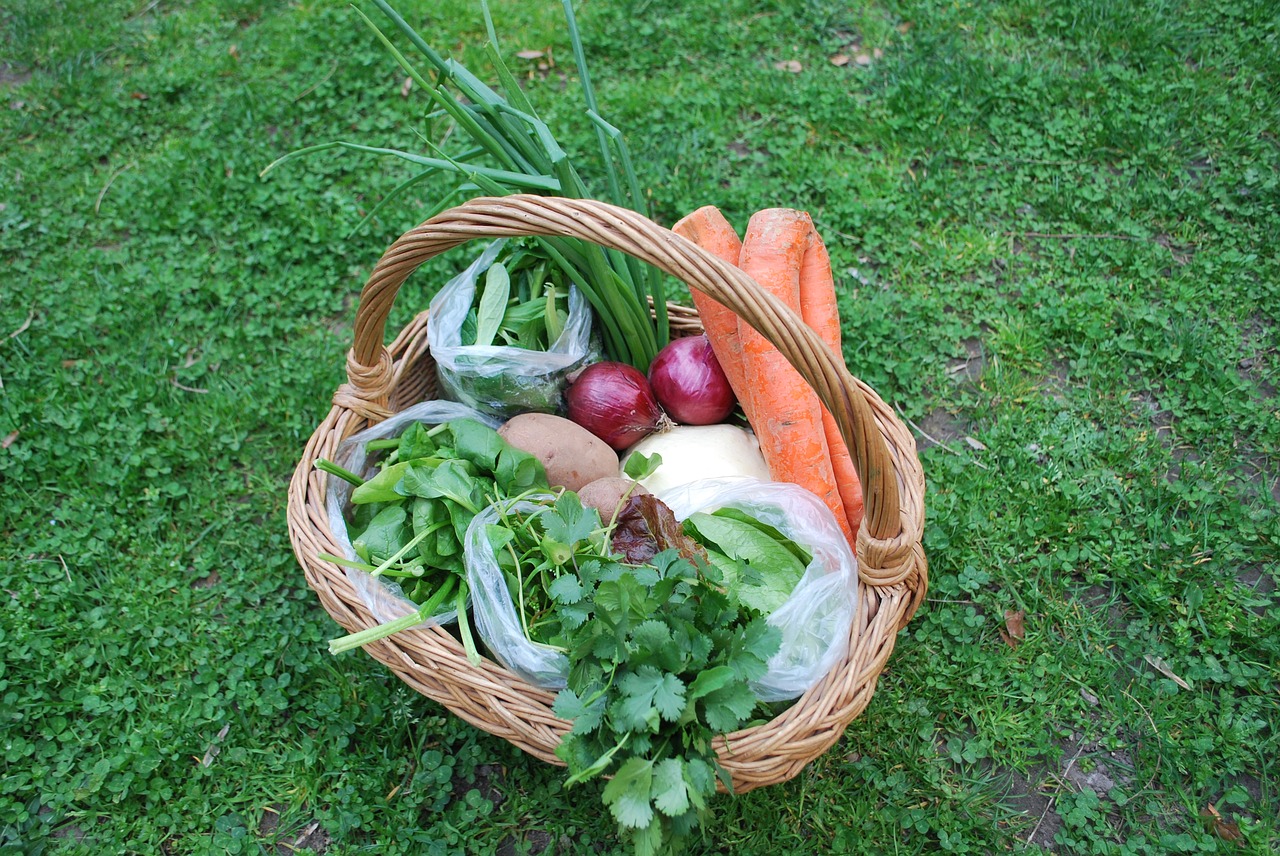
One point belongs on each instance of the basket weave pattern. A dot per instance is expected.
(384, 379)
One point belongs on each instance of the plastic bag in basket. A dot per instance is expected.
(385, 598)
(498, 380)
(814, 619)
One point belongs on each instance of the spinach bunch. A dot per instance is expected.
(409, 519)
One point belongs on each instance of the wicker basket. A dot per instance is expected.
(383, 380)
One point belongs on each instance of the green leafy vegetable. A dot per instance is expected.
(493, 304)
(410, 517)
(758, 563)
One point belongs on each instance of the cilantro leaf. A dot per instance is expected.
(635, 714)
(728, 707)
(670, 791)
(570, 522)
(566, 588)
(628, 793)
(573, 616)
(710, 681)
(640, 466)
(654, 688)
(585, 714)
(751, 648)
(701, 779)
(651, 638)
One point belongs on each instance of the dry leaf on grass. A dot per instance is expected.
(863, 59)
(840, 59)
(791, 65)
(214, 749)
(406, 87)
(9, 440)
(975, 444)
(1162, 667)
(1227, 830)
(529, 54)
(1014, 630)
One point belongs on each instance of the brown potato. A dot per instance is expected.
(571, 455)
(606, 494)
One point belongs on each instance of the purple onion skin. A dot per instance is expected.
(614, 402)
(689, 383)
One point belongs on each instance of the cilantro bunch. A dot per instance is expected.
(661, 655)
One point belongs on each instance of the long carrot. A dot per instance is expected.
(787, 414)
(819, 311)
(709, 229)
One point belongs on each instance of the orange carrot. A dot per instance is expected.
(787, 414)
(818, 308)
(709, 229)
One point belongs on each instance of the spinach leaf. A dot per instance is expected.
(452, 479)
(416, 442)
(493, 303)
(382, 487)
(518, 471)
(477, 443)
(775, 568)
(384, 535)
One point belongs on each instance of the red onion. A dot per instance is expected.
(689, 383)
(614, 402)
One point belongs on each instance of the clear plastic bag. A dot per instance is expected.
(496, 618)
(814, 620)
(816, 617)
(384, 597)
(497, 380)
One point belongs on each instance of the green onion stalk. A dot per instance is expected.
(521, 155)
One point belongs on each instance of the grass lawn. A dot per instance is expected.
(1055, 227)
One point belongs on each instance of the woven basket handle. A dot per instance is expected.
(369, 366)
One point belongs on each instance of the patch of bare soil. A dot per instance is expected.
(1083, 764)
(11, 77)
(970, 368)
(940, 426)
(309, 837)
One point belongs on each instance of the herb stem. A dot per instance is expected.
(405, 622)
(327, 466)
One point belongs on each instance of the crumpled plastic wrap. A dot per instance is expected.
(497, 620)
